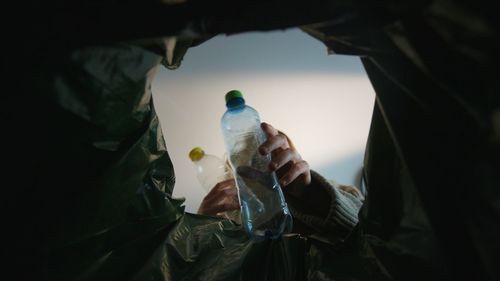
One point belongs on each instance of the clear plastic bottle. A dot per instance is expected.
(211, 170)
(264, 212)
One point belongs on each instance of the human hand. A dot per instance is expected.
(222, 197)
(291, 169)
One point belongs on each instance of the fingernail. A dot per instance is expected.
(283, 182)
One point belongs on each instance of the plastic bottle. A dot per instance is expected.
(264, 212)
(211, 170)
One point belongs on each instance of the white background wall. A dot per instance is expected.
(324, 103)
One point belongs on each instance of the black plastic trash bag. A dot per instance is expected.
(110, 209)
(88, 177)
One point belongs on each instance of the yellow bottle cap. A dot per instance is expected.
(196, 153)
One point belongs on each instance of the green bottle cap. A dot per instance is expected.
(233, 94)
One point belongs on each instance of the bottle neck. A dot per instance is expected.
(235, 104)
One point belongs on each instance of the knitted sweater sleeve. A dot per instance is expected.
(336, 222)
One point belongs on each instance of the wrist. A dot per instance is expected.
(313, 198)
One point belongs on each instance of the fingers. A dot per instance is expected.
(219, 193)
(300, 168)
(273, 143)
(283, 157)
(225, 206)
(218, 188)
(269, 130)
(222, 197)
(350, 189)
(275, 140)
(286, 161)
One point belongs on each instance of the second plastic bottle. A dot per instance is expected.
(264, 212)
(211, 170)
